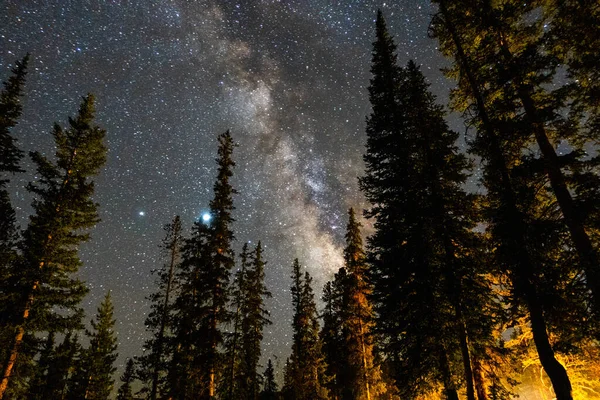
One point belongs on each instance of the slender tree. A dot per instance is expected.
(202, 307)
(255, 318)
(61, 367)
(306, 367)
(10, 112)
(270, 389)
(10, 156)
(231, 383)
(125, 391)
(102, 353)
(62, 209)
(153, 365)
(38, 386)
(364, 377)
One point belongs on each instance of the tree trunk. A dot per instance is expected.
(449, 386)
(364, 358)
(479, 379)
(556, 372)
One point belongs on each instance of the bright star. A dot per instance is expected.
(206, 217)
(142, 213)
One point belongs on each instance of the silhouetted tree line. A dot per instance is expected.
(456, 294)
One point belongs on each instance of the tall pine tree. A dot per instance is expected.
(202, 307)
(10, 156)
(101, 355)
(428, 292)
(46, 294)
(503, 80)
(125, 390)
(306, 367)
(154, 364)
(255, 318)
(270, 390)
(364, 377)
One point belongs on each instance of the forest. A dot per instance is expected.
(456, 294)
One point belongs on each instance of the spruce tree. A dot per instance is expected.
(332, 337)
(503, 80)
(10, 112)
(63, 363)
(254, 318)
(363, 376)
(202, 306)
(38, 385)
(428, 291)
(10, 156)
(101, 355)
(125, 391)
(63, 209)
(232, 380)
(306, 370)
(270, 389)
(153, 365)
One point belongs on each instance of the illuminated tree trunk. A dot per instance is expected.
(479, 380)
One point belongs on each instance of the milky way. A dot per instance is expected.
(288, 78)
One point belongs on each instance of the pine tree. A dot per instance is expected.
(100, 357)
(254, 318)
(364, 377)
(202, 307)
(39, 383)
(332, 336)
(61, 367)
(10, 112)
(306, 370)
(62, 209)
(270, 389)
(125, 391)
(429, 293)
(232, 380)
(153, 365)
(503, 79)
(10, 156)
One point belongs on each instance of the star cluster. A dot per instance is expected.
(288, 78)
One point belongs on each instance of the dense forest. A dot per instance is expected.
(456, 294)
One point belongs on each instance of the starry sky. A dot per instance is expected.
(288, 78)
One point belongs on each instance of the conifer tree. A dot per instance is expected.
(63, 362)
(306, 370)
(153, 365)
(125, 391)
(62, 210)
(503, 78)
(202, 307)
(10, 112)
(270, 389)
(39, 383)
(231, 382)
(100, 357)
(10, 156)
(255, 318)
(332, 337)
(428, 292)
(364, 377)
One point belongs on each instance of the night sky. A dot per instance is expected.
(288, 78)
